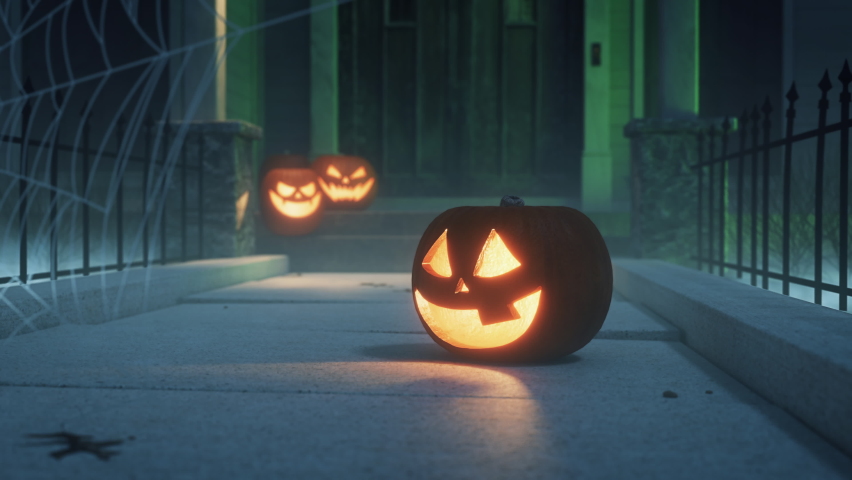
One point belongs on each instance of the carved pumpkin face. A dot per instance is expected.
(348, 182)
(292, 203)
(512, 283)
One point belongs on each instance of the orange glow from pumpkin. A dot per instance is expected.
(464, 328)
(437, 259)
(241, 206)
(344, 193)
(295, 208)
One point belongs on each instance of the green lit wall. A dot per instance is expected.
(245, 79)
(620, 98)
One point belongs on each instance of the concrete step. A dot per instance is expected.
(346, 253)
(367, 241)
(369, 222)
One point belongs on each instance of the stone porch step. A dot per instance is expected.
(367, 241)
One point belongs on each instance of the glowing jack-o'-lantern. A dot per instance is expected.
(292, 203)
(348, 182)
(512, 284)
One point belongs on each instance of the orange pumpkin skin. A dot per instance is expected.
(349, 182)
(561, 254)
(291, 201)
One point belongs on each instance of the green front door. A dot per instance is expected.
(464, 97)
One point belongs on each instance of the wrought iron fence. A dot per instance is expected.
(127, 150)
(734, 200)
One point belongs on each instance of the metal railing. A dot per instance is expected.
(122, 156)
(748, 203)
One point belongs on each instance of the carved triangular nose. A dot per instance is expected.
(346, 180)
(461, 287)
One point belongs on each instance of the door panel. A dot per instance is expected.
(464, 97)
(400, 101)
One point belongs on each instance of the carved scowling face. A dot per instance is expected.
(291, 200)
(348, 182)
(512, 283)
(479, 318)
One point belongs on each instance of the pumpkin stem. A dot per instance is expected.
(511, 201)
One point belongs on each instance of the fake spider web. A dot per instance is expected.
(83, 122)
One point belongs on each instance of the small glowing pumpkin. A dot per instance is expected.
(291, 200)
(512, 283)
(348, 182)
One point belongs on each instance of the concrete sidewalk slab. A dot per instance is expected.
(273, 347)
(315, 288)
(324, 390)
(795, 353)
(221, 435)
(366, 405)
(626, 321)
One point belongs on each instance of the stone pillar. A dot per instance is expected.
(678, 58)
(324, 95)
(664, 203)
(597, 156)
(228, 153)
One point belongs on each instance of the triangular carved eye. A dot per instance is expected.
(309, 190)
(360, 173)
(495, 259)
(437, 259)
(285, 190)
(332, 171)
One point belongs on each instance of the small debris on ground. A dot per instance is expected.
(371, 284)
(708, 392)
(669, 394)
(225, 307)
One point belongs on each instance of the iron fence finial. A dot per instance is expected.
(845, 76)
(825, 83)
(792, 94)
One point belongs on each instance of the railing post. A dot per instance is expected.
(711, 191)
(183, 162)
(167, 132)
(87, 131)
(723, 196)
(824, 86)
(119, 196)
(54, 181)
(23, 184)
(200, 195)
(147, 171)
(845, 78)
(740, 180)
(755, 135)
(700, 142)
(792, 96)
(767, 124)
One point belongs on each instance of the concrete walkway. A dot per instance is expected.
(332, 376)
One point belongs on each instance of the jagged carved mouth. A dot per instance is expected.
(295, 209)
(342, 193)
(464, 328)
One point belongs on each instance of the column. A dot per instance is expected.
(678, 58)
(200, 87)
(597, 157)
